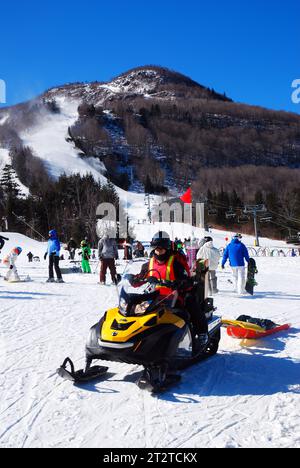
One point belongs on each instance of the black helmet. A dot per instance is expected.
(161, 239)
(208, 239)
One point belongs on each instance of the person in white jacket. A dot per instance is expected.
(10, 262)
(212, 254)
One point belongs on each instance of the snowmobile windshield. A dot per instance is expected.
(136, 297)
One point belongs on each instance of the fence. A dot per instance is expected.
(271, 252)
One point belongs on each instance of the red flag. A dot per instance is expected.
(187, 197)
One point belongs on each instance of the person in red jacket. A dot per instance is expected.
(165, 264)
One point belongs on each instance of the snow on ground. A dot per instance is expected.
(248, 395)
(4, 118)
(48, 140)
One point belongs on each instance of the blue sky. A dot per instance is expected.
(249, 49)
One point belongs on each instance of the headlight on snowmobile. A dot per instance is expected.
(123, 305)
(140, 309)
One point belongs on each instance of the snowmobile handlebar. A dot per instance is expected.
(137, 280)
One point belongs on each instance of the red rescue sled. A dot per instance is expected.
(244, 333)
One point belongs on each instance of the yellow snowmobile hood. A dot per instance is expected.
(119, 329)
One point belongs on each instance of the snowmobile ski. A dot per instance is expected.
(81, 376)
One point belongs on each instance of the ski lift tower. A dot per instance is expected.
(253, 210)
(148, 200)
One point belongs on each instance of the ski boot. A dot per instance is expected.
(156, 379)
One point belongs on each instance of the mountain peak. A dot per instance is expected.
(156, 73)
(149, 81)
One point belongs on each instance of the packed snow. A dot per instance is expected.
(248, 395)
(48, 141)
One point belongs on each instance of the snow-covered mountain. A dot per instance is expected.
(147, 82)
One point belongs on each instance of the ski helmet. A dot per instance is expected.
(53, 233)
(161, 239)
(83, 243)
(208, 239)
(18, 250)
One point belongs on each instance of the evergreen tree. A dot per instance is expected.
(8, 183)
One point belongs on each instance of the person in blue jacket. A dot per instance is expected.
(53, 251)
(237, 253)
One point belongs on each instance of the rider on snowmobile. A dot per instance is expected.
(165, 264)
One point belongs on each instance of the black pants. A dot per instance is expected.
(197, 314)
(54, 262)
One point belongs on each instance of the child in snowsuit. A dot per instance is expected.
(30, 257)
(10, 262)
(86, 255)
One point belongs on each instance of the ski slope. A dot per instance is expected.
(248, 395)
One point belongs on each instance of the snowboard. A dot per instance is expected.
(251, 328)
(251, 282)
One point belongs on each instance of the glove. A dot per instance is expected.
(153, 280)
(11, 267)
(45, 256)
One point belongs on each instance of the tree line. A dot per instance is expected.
(68, 204)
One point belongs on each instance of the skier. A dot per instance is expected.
(212, 254)
(139, 251)
(30, 257)
(237, 253)
(10, 262)
(191, 252)
(164, 264)
(71, 247)
(86, 255)
(127, 249)
(54, 255)
(107, 254)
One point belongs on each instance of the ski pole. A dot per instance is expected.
(95, 271)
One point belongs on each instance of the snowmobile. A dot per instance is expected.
(148, 329)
